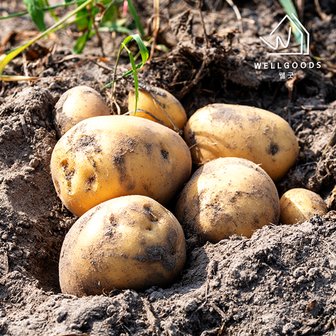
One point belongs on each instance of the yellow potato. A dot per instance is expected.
(223, 130)
(227, 196)
(127, 242)
(110, 156)
(299, 204)
(158, 105)
(76, 104)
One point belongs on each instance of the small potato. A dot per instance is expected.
(76, 104)
(223, 130)
(158, 105)
(128, 242)
(299, 204)
(227, 196)
(110, 156)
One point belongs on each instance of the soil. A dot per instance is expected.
(281, 281)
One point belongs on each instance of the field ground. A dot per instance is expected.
(282, 281)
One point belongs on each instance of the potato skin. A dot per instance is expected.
(110, 156)
(299, 204)
(224, 130)
(227, 196)
(76, 104)
(158, 105)
(127, 242)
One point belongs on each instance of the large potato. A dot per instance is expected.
(228, 196)
(299, 204)
(76, 104)
(127, 242)
(221, 130)
(105, 157)
(158, 105)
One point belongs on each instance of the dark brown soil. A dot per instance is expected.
(282, 281)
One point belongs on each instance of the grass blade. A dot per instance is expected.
(135, 77)
(45, 9)
(110, 14)
(12, 54)
(81, 42)
(36, 12)
(135, 67)
(290, 9)
(142, 48)
(136, 18)
(6, 78)
(116, 27)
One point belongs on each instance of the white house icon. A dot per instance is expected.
(279, 44)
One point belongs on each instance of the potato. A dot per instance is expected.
(299, 204)
(127, 242)
(158, 105)
(105, 157)
(227, 196)
(76, 104)
(221, 130)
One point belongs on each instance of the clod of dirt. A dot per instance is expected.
(281, 281)
(30, 228)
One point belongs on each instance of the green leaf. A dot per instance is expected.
(82, 19)
(35, 10)
(144, 57)
(48, 8)
(142, 48)
(81, 42)
(135, 77)
(116, 28)
(51, 11)
(110, 15)
(290, 9)
(5, 59)
(85, 16)
(113, 2)
(136, 18)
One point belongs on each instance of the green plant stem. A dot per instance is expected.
(135, 77)
(290, 9)
(136, 18)
(49, 8)
(144, 57)
(9, 57)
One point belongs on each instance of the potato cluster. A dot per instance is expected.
(119, 172)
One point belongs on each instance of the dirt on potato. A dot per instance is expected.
(281, 281)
